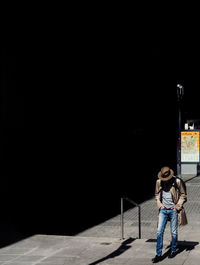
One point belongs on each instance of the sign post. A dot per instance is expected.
(180, 93)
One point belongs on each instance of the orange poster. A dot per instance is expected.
(189, 146)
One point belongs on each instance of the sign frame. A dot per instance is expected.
(187, 143)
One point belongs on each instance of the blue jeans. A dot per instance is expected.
(164, 216)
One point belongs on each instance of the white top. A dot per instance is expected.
(167, 199)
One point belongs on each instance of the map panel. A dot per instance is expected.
(189, 146)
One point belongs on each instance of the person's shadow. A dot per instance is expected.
(123, 247)
(182, 246)
(185, 246)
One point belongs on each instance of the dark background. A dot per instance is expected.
(89, 114)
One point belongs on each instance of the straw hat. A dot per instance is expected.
(165, 173)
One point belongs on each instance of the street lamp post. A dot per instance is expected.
(180, 93)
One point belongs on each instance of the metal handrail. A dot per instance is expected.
(122, 216)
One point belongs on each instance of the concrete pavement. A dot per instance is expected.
(101, 244)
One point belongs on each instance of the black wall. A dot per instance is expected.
(82, 125)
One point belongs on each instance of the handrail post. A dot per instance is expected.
(139, 221)
(122, 219)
